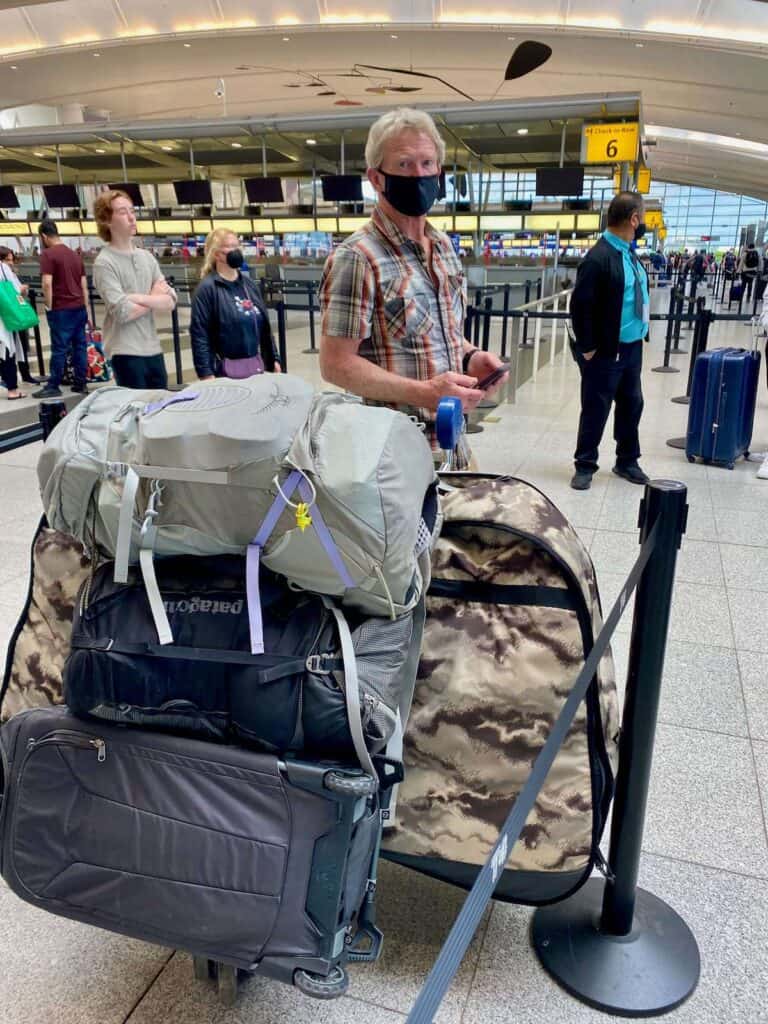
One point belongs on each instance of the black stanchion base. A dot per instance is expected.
(679, 351)
(487, 403)
(681, 400)
(310, 351)
(644, 974)
(665, 369)
(474, 428)
(526, 344)
(677, 442)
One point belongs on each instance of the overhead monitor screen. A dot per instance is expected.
(342, 188)
(8, 198)
(193, 193)
(131, 189)
(60, 196)
(559, 181)
(264, 190)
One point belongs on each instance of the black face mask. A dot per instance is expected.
(235, 259)
(640, 231)
(411, 196)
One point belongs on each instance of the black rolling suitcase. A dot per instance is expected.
(246, 860)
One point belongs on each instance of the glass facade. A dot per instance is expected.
(696, 218)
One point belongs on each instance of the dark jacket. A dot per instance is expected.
(216, 321)
(597, 300)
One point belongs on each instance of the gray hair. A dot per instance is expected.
(403, 119)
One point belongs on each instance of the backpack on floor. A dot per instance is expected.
(512, 612)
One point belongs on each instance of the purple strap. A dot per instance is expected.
(253, 558)
(325, 537)
(185, 396)
(254, 598)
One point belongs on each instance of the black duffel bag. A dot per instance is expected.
(207, 683)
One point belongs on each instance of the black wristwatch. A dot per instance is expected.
(465, 361)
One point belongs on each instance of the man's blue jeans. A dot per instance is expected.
(67, 328)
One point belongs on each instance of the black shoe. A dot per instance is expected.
(634, 474)
(47, 392)
(79, 389)
(581, 480)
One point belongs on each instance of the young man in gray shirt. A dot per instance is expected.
(132, 288)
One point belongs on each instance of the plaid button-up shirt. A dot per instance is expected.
(377, 287)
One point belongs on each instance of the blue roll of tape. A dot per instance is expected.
(449, 422)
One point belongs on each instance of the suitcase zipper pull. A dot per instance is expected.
(101, 750)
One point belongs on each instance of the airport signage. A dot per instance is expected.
(609, 143)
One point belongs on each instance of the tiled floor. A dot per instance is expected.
(706, 848)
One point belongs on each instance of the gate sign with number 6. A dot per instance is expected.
(609, 143)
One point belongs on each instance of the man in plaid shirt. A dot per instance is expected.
(393, 294)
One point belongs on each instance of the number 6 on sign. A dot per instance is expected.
(609, 143)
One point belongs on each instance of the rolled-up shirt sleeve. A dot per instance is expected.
(112, 293)
(346, 293)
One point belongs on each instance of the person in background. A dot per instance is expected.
(10, 346)
(610, 316)
(229, 328)
(10, 262)
(133, 289)
(749, 268)
(65, 294)
(393, 294)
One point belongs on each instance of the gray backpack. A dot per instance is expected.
(323, 490)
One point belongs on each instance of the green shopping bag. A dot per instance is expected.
(15, 312)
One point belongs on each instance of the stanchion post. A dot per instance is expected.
(487, 306)
(176, 345)
(665, 367)
(32, 299)
(312, 350)
(525, 319)
(505, 324)
(92, 302)
(614, 946)
(281, 335)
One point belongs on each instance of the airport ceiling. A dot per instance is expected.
(227, 74)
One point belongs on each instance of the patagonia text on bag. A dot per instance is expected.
(16, 313)
(320, 674)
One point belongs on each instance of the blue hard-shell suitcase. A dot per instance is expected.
(722, 409)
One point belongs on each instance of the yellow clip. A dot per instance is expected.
(303, 518)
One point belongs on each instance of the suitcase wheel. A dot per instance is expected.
(354, 785)
(204, 969)
(227, 984)
(691, 458)
(315, 985)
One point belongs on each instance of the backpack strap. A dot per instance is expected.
(147, 565)
(295, 481)
(351, 689)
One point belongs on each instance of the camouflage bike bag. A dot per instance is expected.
(512, 611)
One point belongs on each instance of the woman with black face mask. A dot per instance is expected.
(230, 330)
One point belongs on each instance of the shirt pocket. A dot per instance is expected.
(406, 317)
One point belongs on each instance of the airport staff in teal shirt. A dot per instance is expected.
(610, 315)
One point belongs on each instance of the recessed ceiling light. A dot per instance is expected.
(522, 131)
(392, 35)
(97, 55)
(39, 154)
(639, 45)
(14, 67)
(187, 46)
(237, 145)
(101, 151)
(311, 142)
(511, 38)
(167, 149)
(286, 39)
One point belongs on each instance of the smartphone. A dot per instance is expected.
(491, 379)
